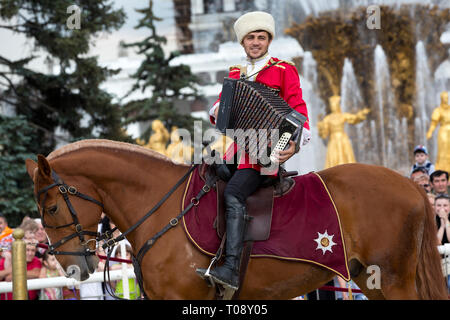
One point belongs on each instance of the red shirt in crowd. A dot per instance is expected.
(32, 294)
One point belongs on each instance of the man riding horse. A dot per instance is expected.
(255, 32)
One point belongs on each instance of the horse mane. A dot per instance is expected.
(108, 144)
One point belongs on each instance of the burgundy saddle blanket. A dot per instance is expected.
(305, 225)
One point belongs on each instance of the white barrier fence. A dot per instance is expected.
(124, 274)
(128, 273)
(58, 282)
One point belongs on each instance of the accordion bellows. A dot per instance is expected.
(257, 115)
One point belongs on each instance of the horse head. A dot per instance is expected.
(70, 215)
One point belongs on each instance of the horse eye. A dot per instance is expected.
(52, 209)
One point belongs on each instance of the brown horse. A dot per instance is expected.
(386, 221)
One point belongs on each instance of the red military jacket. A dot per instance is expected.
(282, 76)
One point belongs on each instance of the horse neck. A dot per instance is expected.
(128, 184)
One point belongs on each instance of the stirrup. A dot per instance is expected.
(225, 285)
(205, 275)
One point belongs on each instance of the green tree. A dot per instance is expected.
(168, 83)
(69, 99)
(16, 192)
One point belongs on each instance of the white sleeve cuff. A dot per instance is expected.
(306, 137)
(214, 107)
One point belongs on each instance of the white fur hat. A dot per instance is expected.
(252, 21)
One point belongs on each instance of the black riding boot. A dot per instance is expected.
(228, 273)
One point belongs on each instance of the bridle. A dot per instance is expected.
(66, 190)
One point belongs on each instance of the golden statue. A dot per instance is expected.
(177, 150)
(441, 116)
(339, 150)
(160, 137)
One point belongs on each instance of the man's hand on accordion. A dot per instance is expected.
(284, 155)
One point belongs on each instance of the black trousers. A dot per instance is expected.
(243, 183)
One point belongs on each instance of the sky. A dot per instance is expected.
(105, 46)
(162, 9)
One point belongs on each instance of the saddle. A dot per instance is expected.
(259, 204)
(259, 208)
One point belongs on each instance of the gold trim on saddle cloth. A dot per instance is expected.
(346, 278)
(184, 221)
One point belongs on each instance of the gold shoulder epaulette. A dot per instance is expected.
(236, 67)
(288, 62)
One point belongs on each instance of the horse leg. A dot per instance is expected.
(363, 278)
(390, 284)
(400, 285)
(169, 270)
(404, 291)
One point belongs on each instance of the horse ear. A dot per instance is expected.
(31, 167)
(44, 166)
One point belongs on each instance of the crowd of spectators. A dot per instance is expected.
(40, 264)
(436, 184)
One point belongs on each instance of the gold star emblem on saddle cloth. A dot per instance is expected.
(324, 242)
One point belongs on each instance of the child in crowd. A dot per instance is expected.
(421, 158)
(50, 268)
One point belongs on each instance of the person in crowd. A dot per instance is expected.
(34, 266)
(420, 176)
(439, 182)
(30, 227)
(339, 282)
(6, 237)
(132, 285)
(41, 237)
(6, 240)
(442, 210)
(417, 173)
(5, 265)
(421, 159)
(50, 268)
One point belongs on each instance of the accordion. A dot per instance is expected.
(257, 119)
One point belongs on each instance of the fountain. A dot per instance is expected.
(352, 101)
(311, 156)
(387, 70)
(427, 98)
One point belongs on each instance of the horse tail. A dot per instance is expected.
(429, 276)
